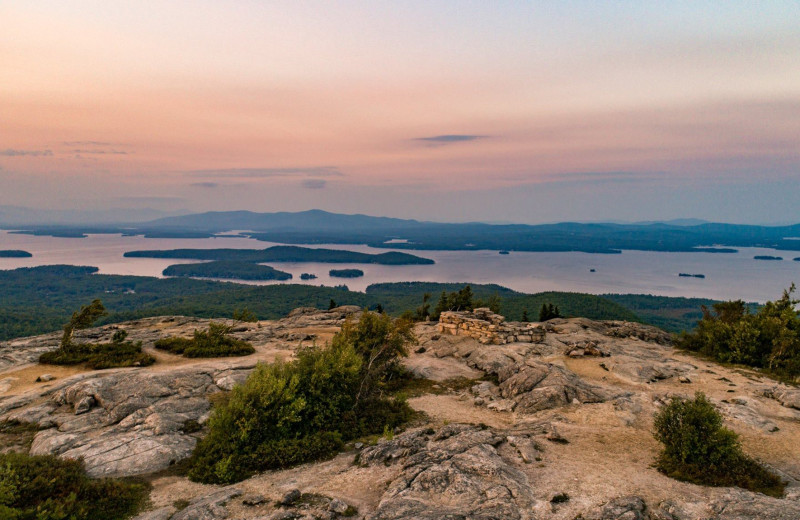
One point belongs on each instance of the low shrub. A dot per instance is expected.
(45, 487)
(118, 353)
(290, 413)
(699, 449)
(212, 342)
(769, 338)
(100, 356)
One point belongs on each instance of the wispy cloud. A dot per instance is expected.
(440, 140)
(205, 184)
(9, 152)
(86, 143)
(256, 173)
(100, 152)
(315, 184)
(153, 201)
(591, 177)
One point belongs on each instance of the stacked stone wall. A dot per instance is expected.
(489, 328)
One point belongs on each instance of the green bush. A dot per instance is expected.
(97, 357)
(699, 449)
(48, 488)
(118, 353)
(213, 342)
(769, 338)
(304, 410)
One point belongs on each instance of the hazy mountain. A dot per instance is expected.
(311, 220)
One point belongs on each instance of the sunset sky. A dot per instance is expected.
(442, 110)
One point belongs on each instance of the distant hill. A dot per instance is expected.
(312, 220)
(321, 227)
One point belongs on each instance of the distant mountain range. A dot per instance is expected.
(313, 220)
(321, 227)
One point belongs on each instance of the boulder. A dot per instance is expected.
(455, 472)
(623, 508)
(208, 507)
(535, 386)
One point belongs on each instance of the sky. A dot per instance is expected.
(504, 111)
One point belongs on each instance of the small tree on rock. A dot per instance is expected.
(82, 319)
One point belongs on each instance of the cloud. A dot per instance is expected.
(8, 152)
(439, 140)
(257, 173)
(205, 184)
(100, 152)
(315, 184)
(600, 177)
(86, 143)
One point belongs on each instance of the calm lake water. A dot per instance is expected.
(728, 276)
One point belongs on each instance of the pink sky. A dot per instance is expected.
(348, 106)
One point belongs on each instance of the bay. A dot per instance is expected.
(727, 276)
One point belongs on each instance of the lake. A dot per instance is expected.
(727, 276)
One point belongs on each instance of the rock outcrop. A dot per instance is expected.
(455, 472)
(535, 386)
(569, 432)
(126, 424)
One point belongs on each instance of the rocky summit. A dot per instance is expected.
(518, 421)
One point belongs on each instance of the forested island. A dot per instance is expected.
(14, 253)
(346, 273)
(285, 254)
(689, 275)
(227, 270)
(308, 276)
(767, 257)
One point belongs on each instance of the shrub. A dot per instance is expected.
(46, 487)
(213, 342)
(118, 353)
(699, 449)
(244, 315)
(304, 410)
(769, 338)
(97, 357)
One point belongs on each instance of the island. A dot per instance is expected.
(14, 253)
(227, 270)
(286, 254)
(346, 273)
(767, 257)
(689, 275)
(308, 276)
(504, 252)
(797, 259)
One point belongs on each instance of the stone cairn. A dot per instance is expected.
(489, 328)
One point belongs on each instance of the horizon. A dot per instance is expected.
(443, 111)
(78, 218)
